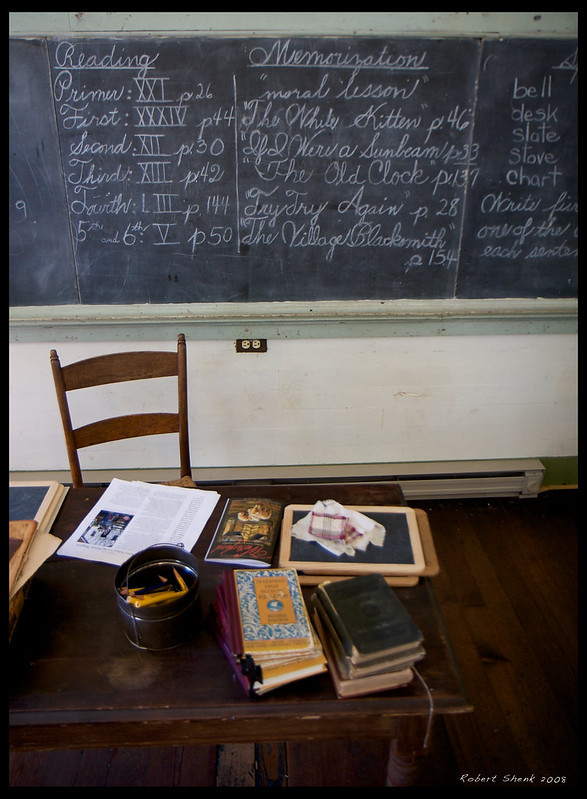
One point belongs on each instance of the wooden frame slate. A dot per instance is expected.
(310, 559)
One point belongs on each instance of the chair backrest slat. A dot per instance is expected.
(119, 368)
(120, 427)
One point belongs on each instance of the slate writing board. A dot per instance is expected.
(24, 501)
(37, 500)
(401, 551)
(397, 546)
(186, 170)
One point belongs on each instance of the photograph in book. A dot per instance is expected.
(105, 529)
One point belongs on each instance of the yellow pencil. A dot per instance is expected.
(153, 599)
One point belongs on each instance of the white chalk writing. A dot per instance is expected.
(325, 147)
(516, 223)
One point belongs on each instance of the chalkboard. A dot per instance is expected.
(42, 268)
(396, 548)
(183, 170)
(520, 231)
(24, 500)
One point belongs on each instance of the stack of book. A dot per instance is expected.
(370, 640)
(262, 625)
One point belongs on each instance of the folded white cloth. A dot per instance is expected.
(338, 529)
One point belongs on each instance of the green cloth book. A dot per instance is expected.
(359, 686)
(368, 618)
(349, 671)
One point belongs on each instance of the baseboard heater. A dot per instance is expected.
(519, 478)
(525, 482)
(427, 480)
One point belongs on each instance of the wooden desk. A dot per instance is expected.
(76, 682)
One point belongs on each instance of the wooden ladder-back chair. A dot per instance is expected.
(119, 368)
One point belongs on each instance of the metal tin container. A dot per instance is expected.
(152, 621)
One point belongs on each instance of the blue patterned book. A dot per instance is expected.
(272, 615)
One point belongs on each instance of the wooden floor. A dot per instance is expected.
(508, 590)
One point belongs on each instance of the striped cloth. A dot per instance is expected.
(329, 523)
(338, 529)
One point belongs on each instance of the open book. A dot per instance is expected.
(131, 516)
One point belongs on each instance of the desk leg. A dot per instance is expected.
(406, 750)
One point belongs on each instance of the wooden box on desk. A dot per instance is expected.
(20, 536)
(33, 507)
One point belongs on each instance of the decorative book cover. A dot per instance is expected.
(247, 532)
(272, 614)
(370, 620)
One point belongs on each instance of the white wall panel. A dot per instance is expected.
(325, 401)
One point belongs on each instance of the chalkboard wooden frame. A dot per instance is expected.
(63, 280)
(282, 321)
(401, 555)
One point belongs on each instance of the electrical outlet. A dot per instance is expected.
(251, 345)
